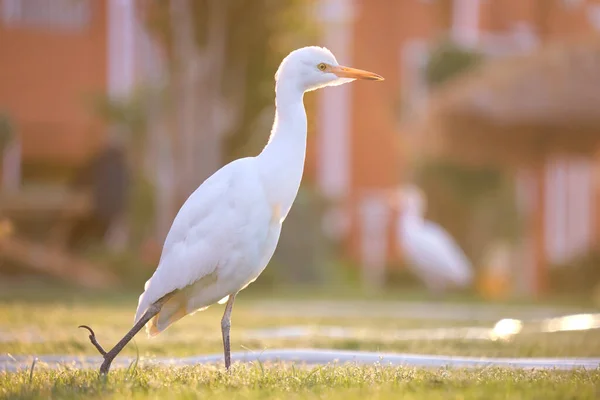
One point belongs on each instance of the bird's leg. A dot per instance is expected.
(110, 355)
(225, 326)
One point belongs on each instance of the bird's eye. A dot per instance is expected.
(322, 66)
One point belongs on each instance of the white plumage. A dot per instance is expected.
(221, 240)
(431, 253)
(227, 231)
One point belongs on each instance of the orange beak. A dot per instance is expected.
(347, 72)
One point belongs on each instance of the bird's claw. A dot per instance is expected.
(93, 339)
(88, 328)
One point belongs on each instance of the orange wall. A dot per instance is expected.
(45, 76)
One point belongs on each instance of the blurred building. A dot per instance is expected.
(60, 60)
(58, 55)
(362, 128)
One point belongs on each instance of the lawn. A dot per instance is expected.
(38, 324)
(287, 382)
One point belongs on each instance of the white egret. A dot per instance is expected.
(430, 252)
(226, 232)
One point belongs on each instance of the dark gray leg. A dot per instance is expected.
(225, 326)
(110, 355)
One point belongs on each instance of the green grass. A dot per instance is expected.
(55, 315)
(258, 381)
(56, 320)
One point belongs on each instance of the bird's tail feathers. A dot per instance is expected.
(172, 311)
(142, 307)
(465, 276)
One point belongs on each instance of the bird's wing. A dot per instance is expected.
(435, 253)
(209, 228)
(457, 266)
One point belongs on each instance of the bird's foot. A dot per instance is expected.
(108, 356)
(93, 340)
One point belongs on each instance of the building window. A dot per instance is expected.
(572, 3)
(55, 14)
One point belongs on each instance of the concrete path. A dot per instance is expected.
(386, 335)
(32, 335)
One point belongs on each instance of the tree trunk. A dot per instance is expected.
(538, 226)
(204, 111)
(184, 79)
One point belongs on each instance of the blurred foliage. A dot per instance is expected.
(400, 277)
(303, 252)
(127, 265)
(476, 205)
(129, 117)
(126, 112)
(141, 210)
(577, 276)
(267, 30)
(447, 61)
(259, 34)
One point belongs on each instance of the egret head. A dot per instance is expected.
(311, 68)
(412, 200)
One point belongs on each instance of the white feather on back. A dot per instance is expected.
(221, 231)
(433, 254)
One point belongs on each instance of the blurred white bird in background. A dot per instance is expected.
(227, 230)
(429, 251)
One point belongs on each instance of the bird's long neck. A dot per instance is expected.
(409, 219)
(282, 160)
